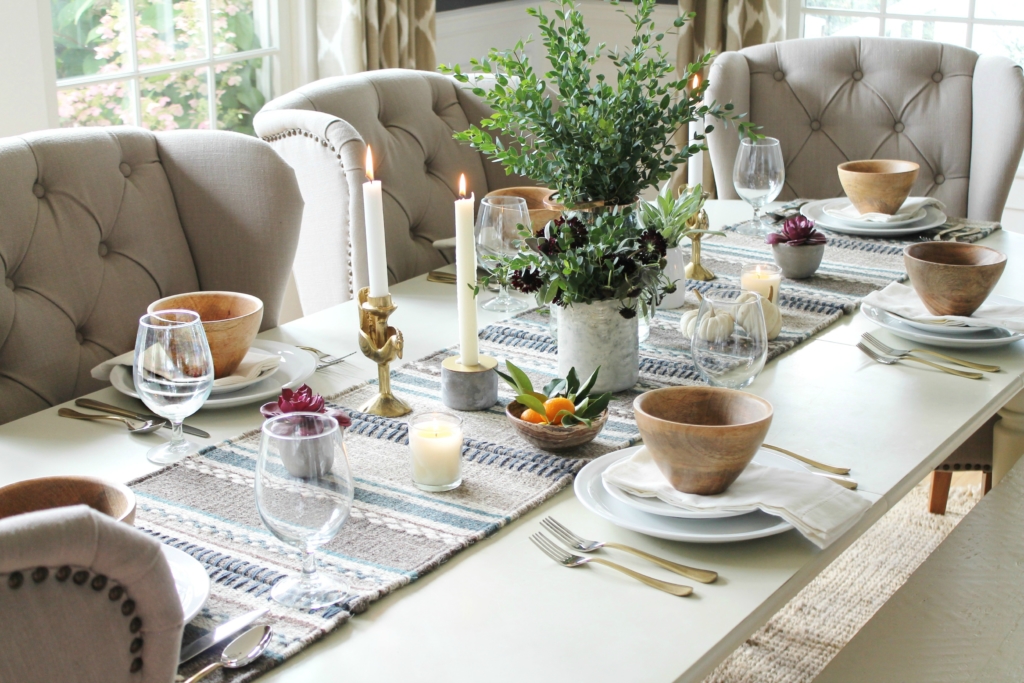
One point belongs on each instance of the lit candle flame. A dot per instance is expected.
(369, 163)
(695, 83)
(462, 186)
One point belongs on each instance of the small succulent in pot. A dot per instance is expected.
(797, 248)
(318, 457)
(303, 400)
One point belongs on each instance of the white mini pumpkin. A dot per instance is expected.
(688, 323)
(772, 314)
(716, 326)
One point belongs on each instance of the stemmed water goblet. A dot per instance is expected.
(497, 235)
(729, 345)
(758, 176)
(173, 374)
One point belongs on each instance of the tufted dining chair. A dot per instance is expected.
(958, 114)
(95, 224)
(85, 598)
(408, 118)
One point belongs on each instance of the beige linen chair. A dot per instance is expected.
(98, 223)
(85, 598)
(408, 118)
(829, 100)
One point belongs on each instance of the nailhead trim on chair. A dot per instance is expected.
(16, 579)
(976, 467)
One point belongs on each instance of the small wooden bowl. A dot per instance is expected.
(536, 202)
(702, 438)
(554, 437)
(878, 185)
(953, 278)
(231, 321)
(32, 495)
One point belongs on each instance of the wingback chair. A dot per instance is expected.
(98, 223)
(408, 118)
(830, 100)
(85, 598)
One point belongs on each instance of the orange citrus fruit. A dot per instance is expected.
(553, 406)
(530, 415)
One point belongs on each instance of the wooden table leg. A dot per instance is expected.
(940, 492)
(1008, 437)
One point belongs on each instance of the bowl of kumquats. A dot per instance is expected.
(563, 415)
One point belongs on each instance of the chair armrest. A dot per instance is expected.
(728, 81)
(997, 135)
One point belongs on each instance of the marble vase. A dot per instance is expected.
(595, 335)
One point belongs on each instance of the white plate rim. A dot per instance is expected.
(593, 470)
(904, 331)
(305, 367)
(920, 213)
(929, 222)
(220, 391)
(187, 570)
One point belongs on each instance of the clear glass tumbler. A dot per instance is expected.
(497, 235)
(758, 176)
(730, 341)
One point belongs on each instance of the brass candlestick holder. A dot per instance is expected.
(381, 344)
(694, 270)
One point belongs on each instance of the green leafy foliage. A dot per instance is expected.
(587, 407)
(670, 216)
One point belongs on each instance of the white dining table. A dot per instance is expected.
(502, 611)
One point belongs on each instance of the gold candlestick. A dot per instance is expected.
(694, 270)
(381, 344)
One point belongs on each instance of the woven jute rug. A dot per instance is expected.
(797, 643)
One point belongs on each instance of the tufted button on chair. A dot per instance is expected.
(97, 224)
(959, 115)
(85, 598)
(408, 118)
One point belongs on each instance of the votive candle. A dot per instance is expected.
(435, 444)
(763, 278)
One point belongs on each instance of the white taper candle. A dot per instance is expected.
(465, 272)
(373, 216)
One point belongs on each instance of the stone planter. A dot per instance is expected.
(798, 262)
(675, 271)
(595, 335)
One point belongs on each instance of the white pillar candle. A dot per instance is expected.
(435, 443)
(465, 276)
(373, 216)
(695, 164)
(763, 278)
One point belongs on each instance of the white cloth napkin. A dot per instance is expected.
(903, 301)
(256, 363)
(911, 206)
(820, 509)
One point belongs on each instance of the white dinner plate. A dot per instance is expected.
(841, 204)
(813, 210)
(238, 386)
(591, 493)
(979, 338)
(190, 580)
(296, 367)
(655, 506)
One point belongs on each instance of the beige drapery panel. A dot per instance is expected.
(363, 35)
(723, 25)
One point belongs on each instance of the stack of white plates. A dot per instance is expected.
(945, 335)
(923, 219)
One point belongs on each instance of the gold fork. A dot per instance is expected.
(891, 360)
(877, 343)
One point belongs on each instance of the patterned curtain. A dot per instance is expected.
(362, 35)
(723, 25)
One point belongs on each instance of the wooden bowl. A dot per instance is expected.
(878, 185)
(953, 278)
(702, 437)
(231, 321)
(554, 437)
(536, 198)
(32, 495)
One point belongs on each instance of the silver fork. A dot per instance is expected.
(325, 360)
(567, 559)
(877, 343)
(890, 360)
(582, 545)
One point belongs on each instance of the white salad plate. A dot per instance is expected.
(296, 367)
(844, 203)
(942, 335)
(190, 580)
(590, 491)
(815, 211)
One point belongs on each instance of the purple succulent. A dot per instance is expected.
(303, 400)
(796, 231)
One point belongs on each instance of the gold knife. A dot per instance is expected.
(114, 410)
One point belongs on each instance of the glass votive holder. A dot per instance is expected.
(763, 278)
(435, 446)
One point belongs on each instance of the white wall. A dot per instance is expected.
(27, 68)
(1013, 215)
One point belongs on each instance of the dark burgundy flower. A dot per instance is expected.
(303, 400)
(549, 246)
(627, 312)
(653, 246)
(579, 233)
(526, 281)
(796, 231)
(627, 264)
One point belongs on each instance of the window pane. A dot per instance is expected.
(934, 8)
(999, 9)
(820, 25)
(175, 100)
(242, 88)
(1000, 40)
(861, 5)
(239, 25)
(98, 104)
(943, 31)
(169, 31)
(88, 37)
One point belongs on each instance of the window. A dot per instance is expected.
(164, 64)
(985, 26)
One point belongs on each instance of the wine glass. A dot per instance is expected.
(497, 235)
(758, 177)
(730, 340)
(173, 374)
(304, 491)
